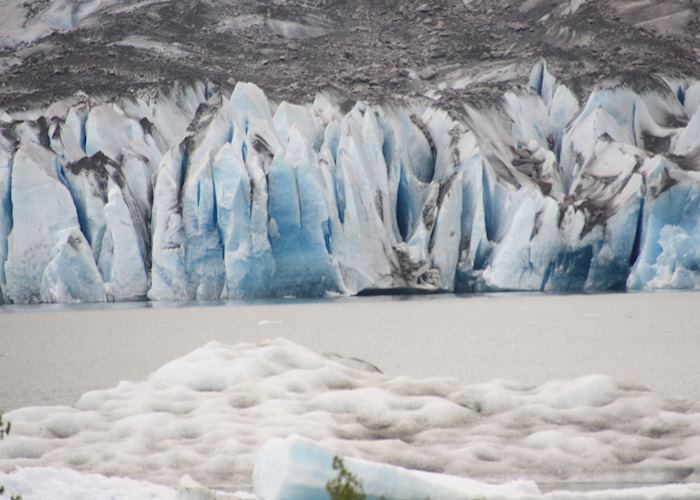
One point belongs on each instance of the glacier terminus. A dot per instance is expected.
(195, 193)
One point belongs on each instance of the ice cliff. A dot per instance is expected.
(196, 193)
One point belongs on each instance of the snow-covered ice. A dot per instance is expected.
(44, 483)
(208, 414)
(191, 193)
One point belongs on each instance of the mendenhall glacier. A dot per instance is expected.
(196, 193)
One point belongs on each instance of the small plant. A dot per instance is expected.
(5, 431)
(13, 497)
(346, 485)
(4, 427)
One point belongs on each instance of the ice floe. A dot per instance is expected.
(209, 413)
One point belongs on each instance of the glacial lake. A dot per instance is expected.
(52, 354)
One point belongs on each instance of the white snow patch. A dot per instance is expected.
(144, 43)
(42, 483)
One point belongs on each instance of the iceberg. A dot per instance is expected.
(299, 469)
(191, 193)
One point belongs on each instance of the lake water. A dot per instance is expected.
(53, 354)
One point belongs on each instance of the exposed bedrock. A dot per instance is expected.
(191, 193)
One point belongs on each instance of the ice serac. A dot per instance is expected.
(6, 153)
(192, 193)
(670, 241)
(42, 212)
(71, 275)
(168, 277)
(127, 272)
(301, 225)
(296, 468)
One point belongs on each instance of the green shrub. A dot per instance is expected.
(5, 431)
(345, 485)
(4, 428)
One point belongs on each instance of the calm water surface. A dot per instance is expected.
(53, 354)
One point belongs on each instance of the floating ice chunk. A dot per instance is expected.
(299, 469)
(40, 483)
(266, 322)
(189, 489)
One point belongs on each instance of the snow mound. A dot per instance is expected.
(209, 413)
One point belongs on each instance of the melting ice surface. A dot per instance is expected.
(213, 413)
(193, 194)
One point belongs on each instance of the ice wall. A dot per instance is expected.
(195, 194)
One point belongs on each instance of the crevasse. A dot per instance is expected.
(192, 193)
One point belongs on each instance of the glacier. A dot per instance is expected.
(196, 192)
